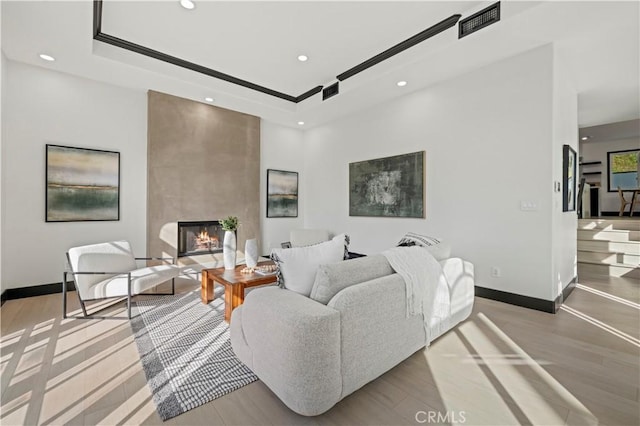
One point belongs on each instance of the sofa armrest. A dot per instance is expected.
(295, 344)
(460, 276)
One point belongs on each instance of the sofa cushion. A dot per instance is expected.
(297, 266)
(332, 278)
(438, 248)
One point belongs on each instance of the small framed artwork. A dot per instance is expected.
(388, 187)
(568, 179)
(81, 184)
(623, 170)
(282, 193)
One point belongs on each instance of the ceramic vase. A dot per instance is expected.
(251, 252)
(229, 250)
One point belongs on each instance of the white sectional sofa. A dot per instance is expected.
(313, 351)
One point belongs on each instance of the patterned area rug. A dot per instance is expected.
(186, 352)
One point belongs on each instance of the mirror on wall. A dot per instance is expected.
(623, 169)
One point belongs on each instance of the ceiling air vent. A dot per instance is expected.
(330, 91)
(479, 20)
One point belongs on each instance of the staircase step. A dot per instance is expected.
(629, 224)
(608, 258)
(629, 247)
(613, 270)
(608, 235)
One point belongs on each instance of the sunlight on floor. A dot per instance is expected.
(609, 296)
(603, 326)
(511, 359)
(132, 411)
(51, 361)
(495, 367)
(501, 382)
(463, 386)
(552, 388)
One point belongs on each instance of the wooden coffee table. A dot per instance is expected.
(234, 283)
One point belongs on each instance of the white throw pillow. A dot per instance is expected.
(438, 248)
(297, 266)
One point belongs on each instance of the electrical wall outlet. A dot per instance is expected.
(528, 206)
(496, 272)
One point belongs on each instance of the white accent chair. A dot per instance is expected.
(108, 270)
(307, 237)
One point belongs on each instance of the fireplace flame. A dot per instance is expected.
(204, 241)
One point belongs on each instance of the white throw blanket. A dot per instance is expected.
(427, 287)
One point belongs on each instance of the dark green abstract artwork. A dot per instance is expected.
(390, 186)
(82, 184)
(282, 193)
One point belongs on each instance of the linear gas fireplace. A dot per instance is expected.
(202, 237)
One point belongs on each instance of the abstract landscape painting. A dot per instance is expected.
(82, 184)
(282, 193)
(390, 186)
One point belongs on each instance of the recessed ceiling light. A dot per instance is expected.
(585, 138)
(300, 123)
(208, 99)
(47, 57)
(303, 58)
(187, 4)
(401, 83)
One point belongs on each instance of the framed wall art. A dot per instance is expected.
(282, 193)
(82, 184)
(568, 179)
(623, 170)
(388, 187)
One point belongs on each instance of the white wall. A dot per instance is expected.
(41, 107)
(564, 224)
(281, 148)
(597, 151)
(2, 83)
(488, 141)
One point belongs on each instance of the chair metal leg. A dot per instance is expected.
(64, 298)
(84, 309)
(64, 295)
(173, 286)
(129, 295)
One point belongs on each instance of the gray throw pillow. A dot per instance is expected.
(332, 278)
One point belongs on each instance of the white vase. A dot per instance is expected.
(229, 250)
(251, 252)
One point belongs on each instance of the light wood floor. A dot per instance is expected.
(505, 365)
